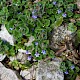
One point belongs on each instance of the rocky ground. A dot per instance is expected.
(44, 70)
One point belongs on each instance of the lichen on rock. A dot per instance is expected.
(59, 37)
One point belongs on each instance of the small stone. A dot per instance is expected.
(21, 57)
(2, 57)
(29, 74)
(25, 74)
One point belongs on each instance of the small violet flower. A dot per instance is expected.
(37, 54)
(72, 67)
(64, 14)
(66, 72)
(54, 2)
(43, 52)
(36, 43)
(34, 16)
(59, 11)
(29, 58)
(27, 52)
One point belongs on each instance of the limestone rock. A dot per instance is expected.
(4, 34)
(7, 74)
(29, 74)
(22, 57)
(49, 71)
(2, 57)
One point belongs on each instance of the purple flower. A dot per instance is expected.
(37, 54)
(29, 58)
(64, 14)
(66, 72)
(43, 52)
(36, 43)
(72, 67)
(54, 2)
(34, 16)
(27, 52)
(59, 11)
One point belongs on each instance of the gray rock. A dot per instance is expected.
(7, 74)
(58, 37)
(22, 57)
(29, 74)
(2, 57)
(49, 70)
(78, 4)
(4, 35)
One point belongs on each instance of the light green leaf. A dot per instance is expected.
(46, 22)
(72, 27)
(57, 23)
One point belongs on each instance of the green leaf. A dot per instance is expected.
(70, 14)
(50, 6)
(6, 47)
(69, 1)
(77, 38)
(78, 23)
(57, 23)
(51, 54)
(5, 10)
(12, 52)
(77, 69)
(52, 18)
(50, 11)
(72, 27)
(46, 22)
(63, 66)
(38, 29)
(77, 16)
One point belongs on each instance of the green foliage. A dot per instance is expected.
(72, 70)
(78, 23)
(72, 27)
(77, 38)
(16, 65)
(25, 18)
